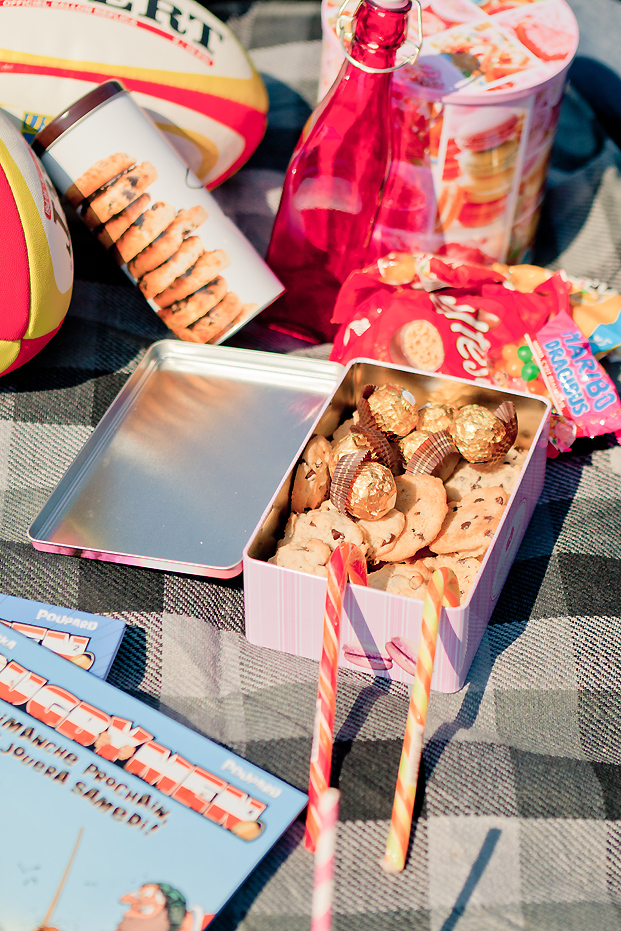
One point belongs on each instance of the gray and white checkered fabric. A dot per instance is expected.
(518, 812)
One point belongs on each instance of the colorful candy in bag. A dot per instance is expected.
(462, 318)
(594, 307)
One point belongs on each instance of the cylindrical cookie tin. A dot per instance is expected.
(131, 188)
(474, 122)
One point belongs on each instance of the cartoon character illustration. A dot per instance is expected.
(159, 907)
(152, 907)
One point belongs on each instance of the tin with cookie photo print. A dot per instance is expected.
(130, 187)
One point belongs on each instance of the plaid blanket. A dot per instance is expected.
(518, 811)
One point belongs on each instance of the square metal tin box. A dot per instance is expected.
(177, 474)
(284, 607)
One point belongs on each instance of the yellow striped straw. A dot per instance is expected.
(441, 590)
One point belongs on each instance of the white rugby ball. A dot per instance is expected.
(183, 66)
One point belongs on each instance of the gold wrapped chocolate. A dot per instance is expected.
(436, 417)
(410, 443)
(372, 493)
(478, 434)
(442, 451)
(350, 443)
(382, 449)
(394, 410)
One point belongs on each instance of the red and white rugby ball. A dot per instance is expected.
(37, 260)
(183, 66)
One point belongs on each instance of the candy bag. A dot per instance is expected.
(581, 390)
(433, 314)
(437, 314)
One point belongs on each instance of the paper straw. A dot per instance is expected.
(323, 880)
(346, 561)
(441, 589)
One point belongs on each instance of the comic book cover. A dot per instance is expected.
(115, 816)
(91, 641)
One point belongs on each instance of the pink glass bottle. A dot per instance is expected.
(334, 182)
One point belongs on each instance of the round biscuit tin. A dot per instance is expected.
(132, 189)
(474, 121)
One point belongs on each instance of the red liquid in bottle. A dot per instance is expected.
(334, 182)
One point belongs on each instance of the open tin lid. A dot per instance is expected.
(178, 472)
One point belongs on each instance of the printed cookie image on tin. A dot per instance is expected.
(188, 260)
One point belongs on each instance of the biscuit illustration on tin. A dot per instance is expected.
(168, 242)
(184, 313)
(99, 174)
(215, 322)
(118, 194)
(422, 345)
(144, 230)
(172, 267)
(154, 282)
(114, 228)
(204, 270)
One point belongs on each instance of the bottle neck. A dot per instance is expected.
(378, 33)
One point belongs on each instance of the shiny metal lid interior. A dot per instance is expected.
(182, 466)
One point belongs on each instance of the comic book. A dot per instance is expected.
(115, 817)
(91, 641)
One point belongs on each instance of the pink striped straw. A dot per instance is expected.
(442, 589)
(323, 879)
(346, 561)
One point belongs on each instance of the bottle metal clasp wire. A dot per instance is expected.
(344, 34)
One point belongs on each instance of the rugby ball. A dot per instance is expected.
(37, 258)
(183, 66)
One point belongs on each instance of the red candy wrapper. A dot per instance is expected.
(462, 318)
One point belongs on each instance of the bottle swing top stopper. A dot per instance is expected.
(344, 33)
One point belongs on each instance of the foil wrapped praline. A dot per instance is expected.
(413, 441)
(436, 417)
(410, 443)
(350, 443)
(394, 410)
(477, 433)
(373, 492)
